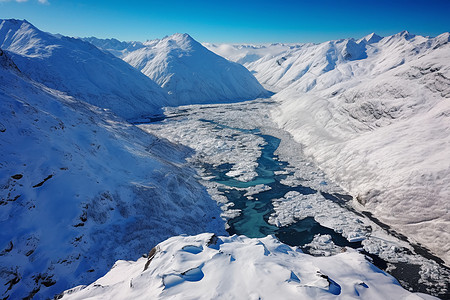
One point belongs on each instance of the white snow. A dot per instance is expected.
(237, 267)
(193, 74)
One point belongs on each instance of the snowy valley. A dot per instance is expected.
(115, 150)
(374, 115)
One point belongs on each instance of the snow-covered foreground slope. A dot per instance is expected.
(81, 70)
(210, 267)
(193, 74)
(81, 188)
(375, 115)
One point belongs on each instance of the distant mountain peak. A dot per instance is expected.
(405, 34)
(15, 23)
(181, 38)
(372, 38)
(18, 23)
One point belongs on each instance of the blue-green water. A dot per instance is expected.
(253, 220)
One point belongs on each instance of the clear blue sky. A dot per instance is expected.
(232, 21)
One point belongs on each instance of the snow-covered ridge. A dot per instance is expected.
(374, 114)
(114, 46)
(193, 74)
(81, 70)
(82, 188)
(210, 267)
(247, 53)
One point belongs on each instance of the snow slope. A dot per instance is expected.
(193, 74)
(82, 188)
(237, 267)
(81, 70)
(374, 114)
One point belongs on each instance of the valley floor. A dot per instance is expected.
(256, 173)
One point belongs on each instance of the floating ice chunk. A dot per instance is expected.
(257, 189)
(323, 245)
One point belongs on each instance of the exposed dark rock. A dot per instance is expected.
(17, 176)
(212, 240)
(151, 255)
(43, 181)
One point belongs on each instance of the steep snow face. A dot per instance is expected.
(193, 74)
(316, 67)
(309, 65)
(81, 70)
(374, 114)
(237, 267)
(81, 188)
(115, 47)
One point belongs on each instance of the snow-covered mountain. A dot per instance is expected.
(114, 46)
(81, 188)
(210, 267)
(81, 70)
(193, 74)
(374, 114)
(247, 53)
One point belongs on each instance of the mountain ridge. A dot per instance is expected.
(81, 70)
(192, 74)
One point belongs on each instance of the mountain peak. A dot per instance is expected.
(175, 41)
(181, 38)
(372, 38)
(16, 23)
(405, 34)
